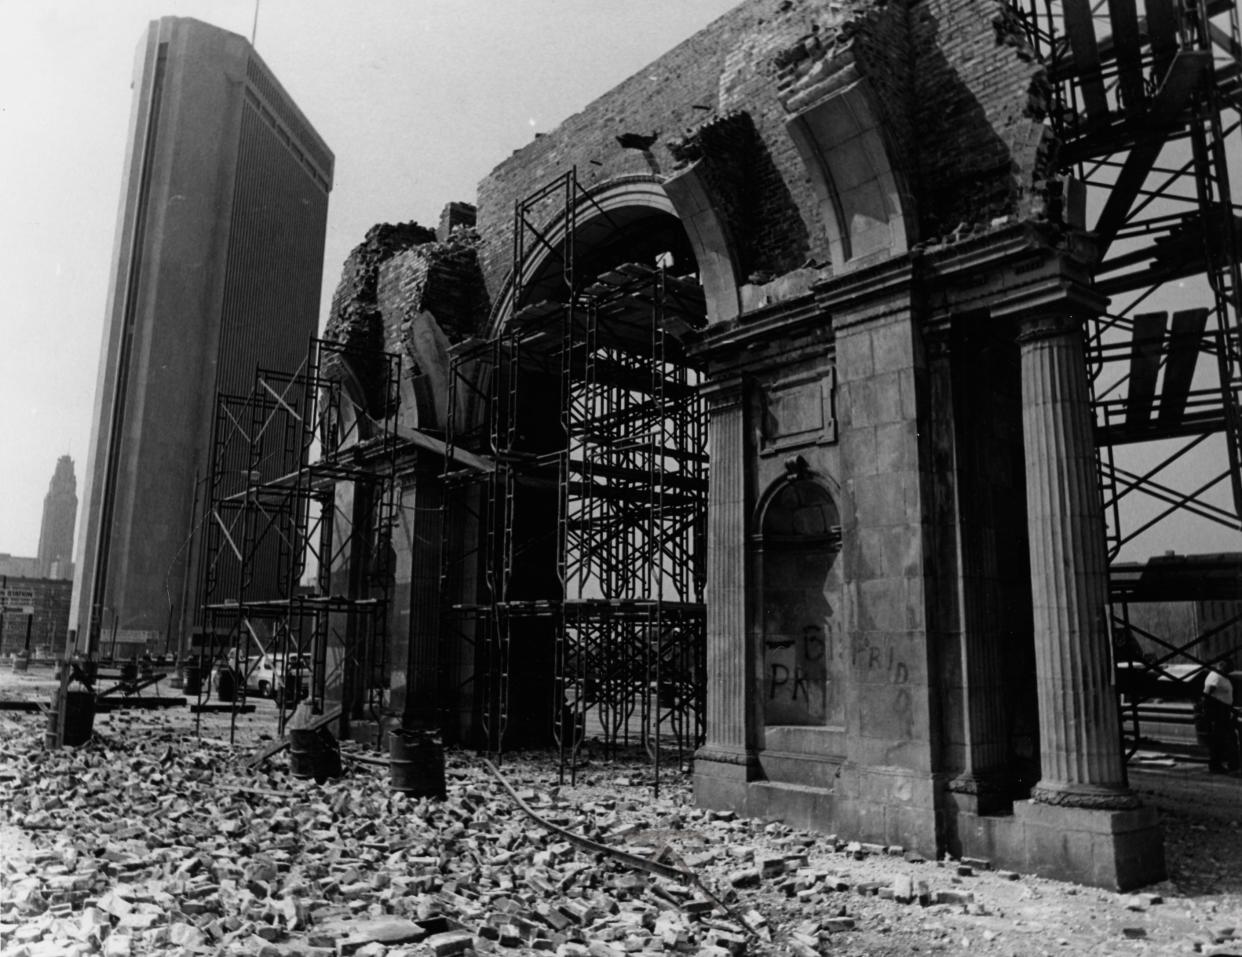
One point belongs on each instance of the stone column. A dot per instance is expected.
(1080, 746)
(422, 522)
(727, 759)
(967, 563)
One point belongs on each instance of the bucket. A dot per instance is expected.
(129, 671)
(79, 719)
(415, 763)
(21, 663)
(314, 754)
(193, 682)
(288, 696)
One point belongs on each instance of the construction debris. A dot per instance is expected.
(157, 842)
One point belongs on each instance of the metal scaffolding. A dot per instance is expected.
(1146, 109)
(589, 410)
(291, 563)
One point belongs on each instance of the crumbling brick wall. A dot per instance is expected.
(397, 273)
(983, 149)
(959, 93)
(355, 319)
(441, 278)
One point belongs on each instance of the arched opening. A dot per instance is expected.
(590, 616)
(799, 640)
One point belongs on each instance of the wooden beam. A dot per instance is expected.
(1080, 29)
(1127, 47)
(1145, 352)
(1161, 33)
(1184, 75)
(1185, 345)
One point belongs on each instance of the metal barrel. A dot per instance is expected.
(415, 763)
(226, 684)
(79, 719)
(313, 754)
(193, 682)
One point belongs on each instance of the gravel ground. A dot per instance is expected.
(151, 839)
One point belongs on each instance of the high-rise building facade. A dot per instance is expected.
(216, 271)
(60, 512)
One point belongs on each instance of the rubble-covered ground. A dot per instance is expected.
(152, 840)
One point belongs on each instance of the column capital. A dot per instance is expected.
(1054, 294)
(1047, 325)
(724, 393)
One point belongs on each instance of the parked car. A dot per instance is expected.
(270, 677)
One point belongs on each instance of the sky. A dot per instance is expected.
(418, 99)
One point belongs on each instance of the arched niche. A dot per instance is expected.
(798, 632)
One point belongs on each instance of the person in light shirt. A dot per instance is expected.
(1218, 704)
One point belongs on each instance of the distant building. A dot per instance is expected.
(60, 511)
(18, 566)
(216, 270)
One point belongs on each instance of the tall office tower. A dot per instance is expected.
(60, 513)
(216, 270)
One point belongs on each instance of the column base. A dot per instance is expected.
(984, 792)
(721, 775)
(1089, 797)
(1115, 849)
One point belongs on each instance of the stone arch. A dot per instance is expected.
(799, 626)
(351, 427)
(865, 203)
(630, 200)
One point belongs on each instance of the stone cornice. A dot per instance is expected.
(1055, 294)
(867, 294)
(785, 322)
(1011, 273)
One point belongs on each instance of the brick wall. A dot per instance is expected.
(959, 91)
(977, 123)
(355, 319)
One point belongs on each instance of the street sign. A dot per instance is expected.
(17, 600)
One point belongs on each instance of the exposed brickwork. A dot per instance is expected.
(747, 189)
(453, 216)
(675, 94)
(356, 319)
(441, 278)
(959, 93)
(978, 125)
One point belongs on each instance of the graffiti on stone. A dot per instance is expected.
(802, 659)
(879, 662)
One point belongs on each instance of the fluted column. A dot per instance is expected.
(1080, 747)
(730, 704)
